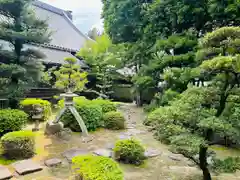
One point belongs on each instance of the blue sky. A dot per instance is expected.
(86, 13)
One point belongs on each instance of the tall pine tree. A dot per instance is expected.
(20, 29)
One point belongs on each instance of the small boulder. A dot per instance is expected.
(103, 152)
(53, 128)
(53, 162)
(150, 153)
(69, 154)
(64, 134)
(176, 157)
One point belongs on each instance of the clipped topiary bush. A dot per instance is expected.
(90, 113)
(18, 144)
(29, 105)
(90, 167)
(12, 120)
(129, 151)
(106, 105)
(114, 120)
(228, 165)
(90, 110)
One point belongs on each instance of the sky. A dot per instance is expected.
(86, 13)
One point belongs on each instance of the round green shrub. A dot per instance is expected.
(114, 120)
(107, 106)
(29, 105)
(90, 167)
(90, 113)
(12, 120)
(129, 151)
(18, 144)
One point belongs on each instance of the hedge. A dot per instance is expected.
(114, 120)
(18, 144)
(28, 105)
(12, 120)
(91, 111)
(129, 151)
(90, 167)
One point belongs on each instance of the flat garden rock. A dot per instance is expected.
(110, 146)
(26, 166)
(150, 153)
(181, 169)
(53, 162)
(176, 157)
(5, 173)
(69, 154)
(103, 152)
(136, 131)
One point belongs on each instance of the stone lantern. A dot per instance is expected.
(37, 116)
(56, 126)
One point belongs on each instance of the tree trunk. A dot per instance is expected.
(203, 163)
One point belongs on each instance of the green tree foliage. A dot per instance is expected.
(19, 27)
(69, 77)
(103, 58)
(169, 26)
(94, 33)
(96, 168)
(190, 122)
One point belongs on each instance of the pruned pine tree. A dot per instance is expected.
(70, 77)
(20, 28)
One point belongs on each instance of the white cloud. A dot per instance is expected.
(86, 13)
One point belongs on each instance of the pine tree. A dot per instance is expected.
(69, 77)
(20, 29)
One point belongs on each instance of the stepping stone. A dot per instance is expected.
(110, 146)
(5, 173)
(26, 166)
(69, 154)
(136, 131)
(150, 153)
(176, 157)
(53, 162)
(103, 152)
(123, 136)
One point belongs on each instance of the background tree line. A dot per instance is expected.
(186, 58)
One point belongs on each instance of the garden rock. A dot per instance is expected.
(26, 166)
(53, 128)
(181, 169)
(53, 162)
(150, 153)
(5, 173)
(69, 154)
(110, 146)
(103, 152)
(176, 157)
(65, 134)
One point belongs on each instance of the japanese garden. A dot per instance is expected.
(155, 96)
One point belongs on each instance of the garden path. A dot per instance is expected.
(165, 166)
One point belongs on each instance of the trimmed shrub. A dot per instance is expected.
(12, 120)
(107, 106)
(90, 167)
(29, 105)
(129, 151)
(114, 120)
(228, 165)
(90, 113)
(18, 144)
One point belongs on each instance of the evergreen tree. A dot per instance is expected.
(19, 29)
(69, 77)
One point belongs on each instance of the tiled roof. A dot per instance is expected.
(65, 34)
